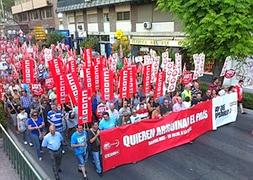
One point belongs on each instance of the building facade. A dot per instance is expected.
(30, 14)
(139, 19)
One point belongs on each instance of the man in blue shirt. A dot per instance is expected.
(107, 122)
(79, 143)
(53, 141)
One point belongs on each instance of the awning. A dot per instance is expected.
(61, 7)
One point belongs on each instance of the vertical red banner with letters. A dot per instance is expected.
(27, 71)
(123, 84)
(84, 108)
(106, 84)
(72, 86)
(159, 84)
(147, 71)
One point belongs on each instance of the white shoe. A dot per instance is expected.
(30, 144)
(25, 142)
(40, 158)
(63, 152)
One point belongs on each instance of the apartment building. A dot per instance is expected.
(30, 14)
(146, 26)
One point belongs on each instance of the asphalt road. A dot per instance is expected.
(224, 154)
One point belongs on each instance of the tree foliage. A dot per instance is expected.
(90, 42)
(218, 28)
(7, 4)
(53, 38)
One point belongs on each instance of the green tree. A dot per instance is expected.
(90, 42)
(53, 38)
(7, 4)
(218, 28)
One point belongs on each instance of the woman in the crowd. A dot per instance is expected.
(35, 125)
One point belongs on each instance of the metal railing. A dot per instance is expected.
(21, 164)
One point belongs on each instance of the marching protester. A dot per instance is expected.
(95, 146)
(79, 143)
(35, 125)
(239, 90)
(53, 142)
(55, 110)
(22, 123)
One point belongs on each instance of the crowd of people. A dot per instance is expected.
(43, 123)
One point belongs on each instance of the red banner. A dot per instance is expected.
(49, 83)
(56, 68)
(159, 84)
(84, 108)
(72, 67)
(61, 91)
(37, 89)
(123, 84)
(89, 80)
(132, 143)
(27, 71)
(147, 78)
(87, 56)
(132, 81)
(106, 84)
(72, 86)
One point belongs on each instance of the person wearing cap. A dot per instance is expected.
(79, 143)
(53, 142)
(35, 125)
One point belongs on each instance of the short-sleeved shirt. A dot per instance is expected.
(35, 124)
(95, 146)
(52, 142)
(107, 124)
(79, 138)
(56, 119)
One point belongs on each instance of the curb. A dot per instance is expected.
(28, 156)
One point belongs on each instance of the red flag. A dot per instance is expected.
(131, 81)
(84, 108)
(123, 86)
(147, 78)
(61, 91)
(107, 84)
(56, 68)
(72, 66)
(27, 71)
(49, 83)
(95, 71)
(159, 84)
(72, 86)
(88, 80)
(87, 56)
(37, 89)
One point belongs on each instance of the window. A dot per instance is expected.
(24, 17)
(49, 13)
(79, 19)
(121, 16)
(35, 15)
(71, 19)
(106, 17)
(92, 18)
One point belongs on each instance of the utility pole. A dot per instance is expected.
(1, 9)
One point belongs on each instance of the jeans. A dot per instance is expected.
(96, 158)
(26, 136)
(37, 143)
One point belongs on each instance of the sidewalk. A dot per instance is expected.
(6, 170)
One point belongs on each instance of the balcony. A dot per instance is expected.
(16, 9)
(39, 3)
(30, 5)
